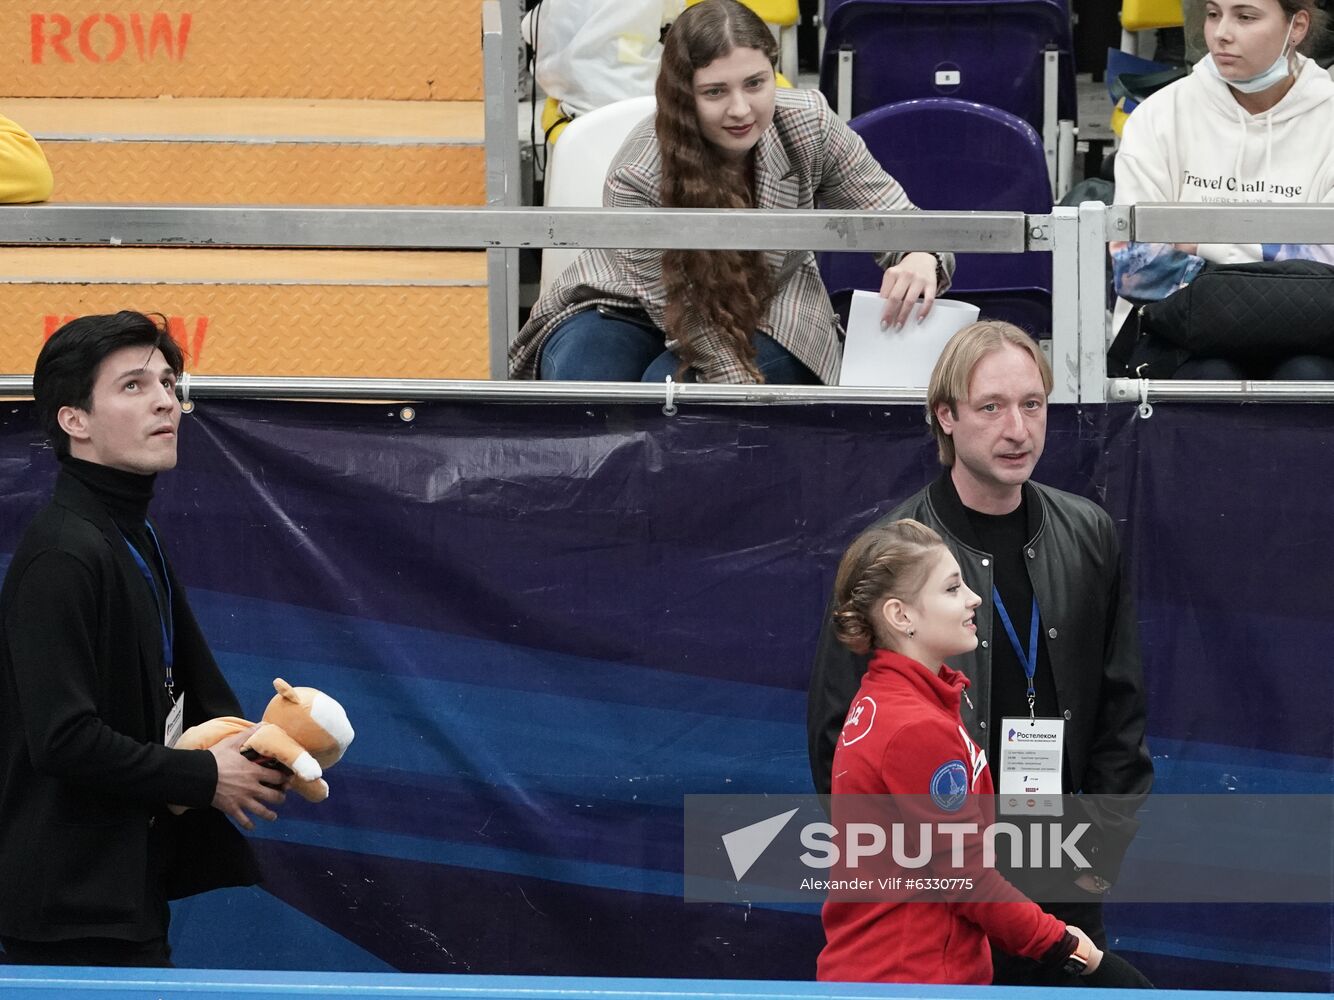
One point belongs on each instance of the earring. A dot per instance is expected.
(912, 632)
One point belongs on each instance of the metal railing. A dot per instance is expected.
(194, 387)
(500, 24)
(209, 227)
(503, 229)
(1212, 223)
(1077, 239)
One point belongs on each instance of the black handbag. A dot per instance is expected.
(1254, 313)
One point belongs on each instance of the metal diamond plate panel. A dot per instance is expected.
(278, 174)
(228, 329)
(393, 49)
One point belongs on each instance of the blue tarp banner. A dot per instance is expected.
(549, 623)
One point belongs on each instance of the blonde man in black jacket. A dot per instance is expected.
(1040, 549)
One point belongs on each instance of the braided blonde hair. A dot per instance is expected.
(887, 560)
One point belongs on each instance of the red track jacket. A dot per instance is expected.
(904, 736)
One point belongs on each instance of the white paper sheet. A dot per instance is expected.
(893, 357)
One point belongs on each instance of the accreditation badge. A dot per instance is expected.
(1030, 766)
(175, 722)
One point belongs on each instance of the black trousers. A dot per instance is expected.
(152, 954)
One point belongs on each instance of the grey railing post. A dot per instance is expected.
(500, 27)
(1092, 302)
(1063, 237)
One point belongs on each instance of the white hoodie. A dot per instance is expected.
(1192, 142)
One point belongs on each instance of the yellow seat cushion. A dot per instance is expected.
(1141, 15)
(783, 13)
(1119, 116)
(553, 120)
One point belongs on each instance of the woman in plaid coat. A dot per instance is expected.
(723, 137)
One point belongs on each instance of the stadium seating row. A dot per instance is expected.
(247, 102)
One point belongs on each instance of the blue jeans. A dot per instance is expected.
(591, 347)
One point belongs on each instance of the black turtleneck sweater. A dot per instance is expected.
(126, 496)
(1004, 536)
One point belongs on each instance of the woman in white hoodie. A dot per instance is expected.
(1254, 122)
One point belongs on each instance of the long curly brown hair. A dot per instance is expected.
(728, 290)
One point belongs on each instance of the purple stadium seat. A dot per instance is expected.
(989, 51)
(958, 156)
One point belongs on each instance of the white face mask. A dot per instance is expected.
(1276, 73)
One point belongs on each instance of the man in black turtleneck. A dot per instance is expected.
(1042, 551)
(101, 666)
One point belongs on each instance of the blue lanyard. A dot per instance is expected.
(164, 620)
(1028, 660)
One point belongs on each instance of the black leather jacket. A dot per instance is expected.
(1090, 632)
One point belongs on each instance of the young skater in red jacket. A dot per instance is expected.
(899, 594)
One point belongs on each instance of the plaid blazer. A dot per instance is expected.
(806, 156)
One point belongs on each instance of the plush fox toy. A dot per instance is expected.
(303, 731)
